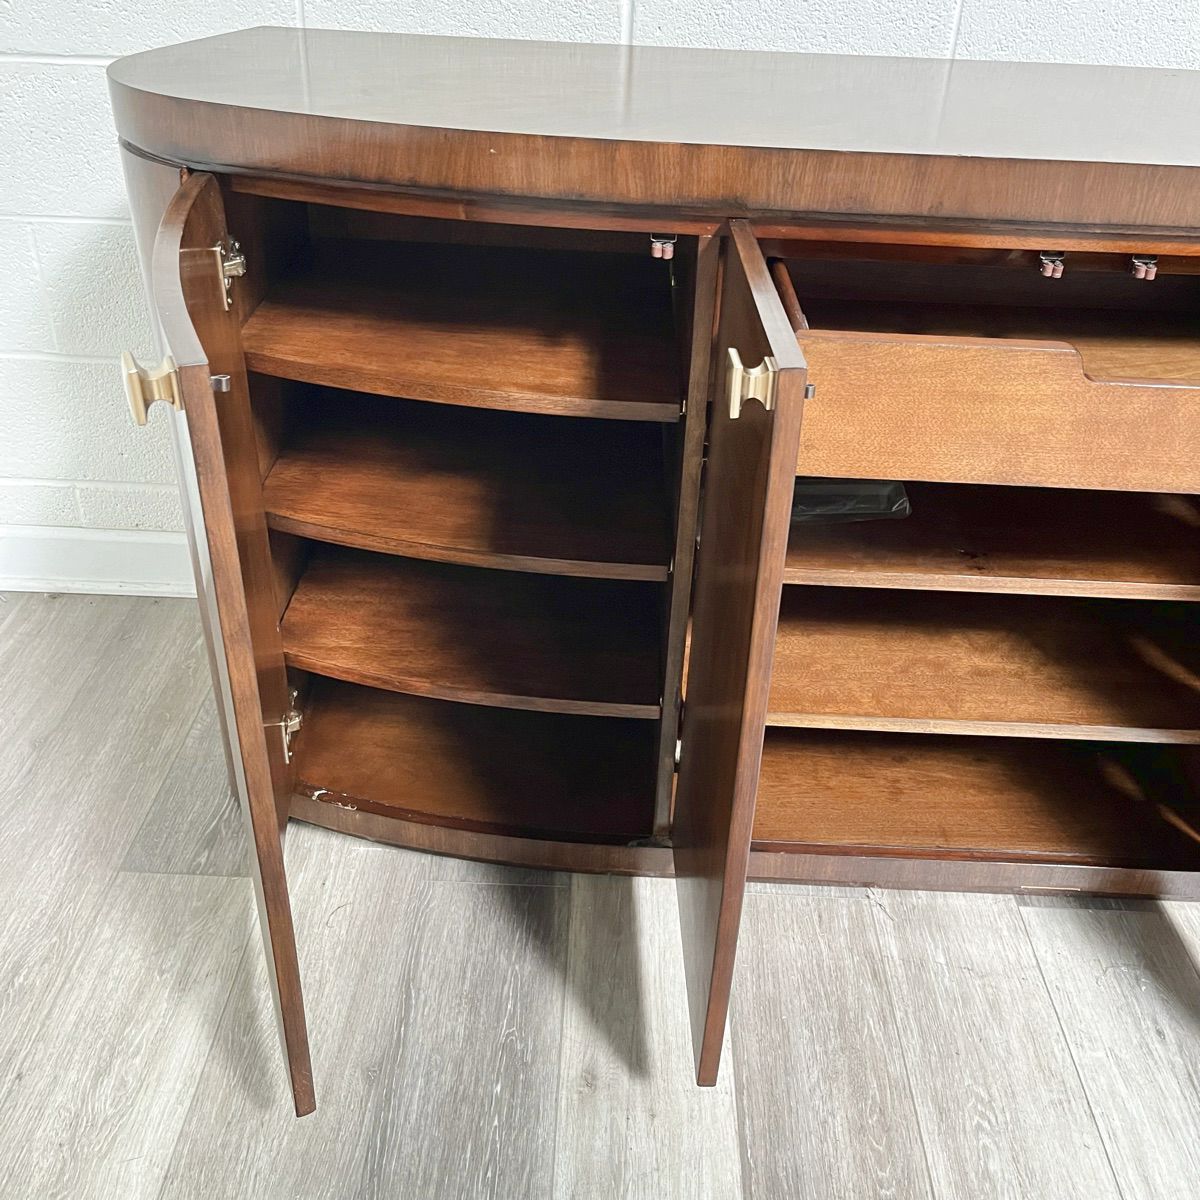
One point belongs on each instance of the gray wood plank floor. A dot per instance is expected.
(480, 1032)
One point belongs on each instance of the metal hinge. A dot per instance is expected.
(1144, 266)
(288, 728)
(751, 383)
(143, 388)
(231, 262)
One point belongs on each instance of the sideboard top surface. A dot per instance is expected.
(716, 97)
(711, 132)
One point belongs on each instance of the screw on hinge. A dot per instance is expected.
(1053, 263)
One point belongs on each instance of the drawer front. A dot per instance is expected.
(982, 410)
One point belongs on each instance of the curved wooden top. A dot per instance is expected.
(711, 131)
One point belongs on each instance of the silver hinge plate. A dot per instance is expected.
(288, 728)
(231, 263)
(751, 383)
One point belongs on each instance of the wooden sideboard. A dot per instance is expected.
(493, 367)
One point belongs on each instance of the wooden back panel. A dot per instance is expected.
(751, 464)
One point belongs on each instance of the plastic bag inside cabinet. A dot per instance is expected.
(827, 501)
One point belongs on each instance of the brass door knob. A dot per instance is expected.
(143, 388)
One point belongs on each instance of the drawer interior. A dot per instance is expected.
(1122, 327)
(985, 371)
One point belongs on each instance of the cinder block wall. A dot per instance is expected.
(88, 502)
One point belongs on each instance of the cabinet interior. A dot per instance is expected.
(468, 443)
(470, 449)
(1008, 673)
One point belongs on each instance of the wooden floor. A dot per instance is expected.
(884, 1044)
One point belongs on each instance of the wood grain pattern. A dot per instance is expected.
(194, 826)
(1134, 342)
(468, 767)
(1123, 981)
(90, 960)
(697, 285)
(395, 985)
(816, 1020)
(1041, 541)
(624, 1058)
(673, 128)
(780, 866)
(82, 932)
(1001, 1110)
(913, 391)
(969, 875)
(735, 607)
(114, 1117)
(522, 330)
(982, 798)
(502, 638)
(412, 1109)
(1011, 665)
(522, 853)
(203, 338)
(510, 988)
(237, 1134)
(490, 489)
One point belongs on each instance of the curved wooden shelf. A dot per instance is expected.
(1038, 541)
(494, 638)
(466, 768)
(489, 489)
(544, 331)
(1015, 666)
(987, 798)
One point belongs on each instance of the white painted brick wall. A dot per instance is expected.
(71, 297)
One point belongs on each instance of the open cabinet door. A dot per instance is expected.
(202, 331)
(758, 381)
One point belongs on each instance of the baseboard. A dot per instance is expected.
(45, 558)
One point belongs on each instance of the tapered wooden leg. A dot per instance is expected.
(283, 968)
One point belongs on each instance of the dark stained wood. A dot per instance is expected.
(971, 875)
(524, 493)
(523, 330)
(1042, 541)
(1112, 345)
(485, 637)
(912, 391)
(1029, 666)
(536, 853)
(464, 766)
(987, 798)
(698, 301)
(151, 186)
(956, 236)
(545, 221)
(717, 132)
(998, 292)
(736, 603)
(203, 337)
(793, 866)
